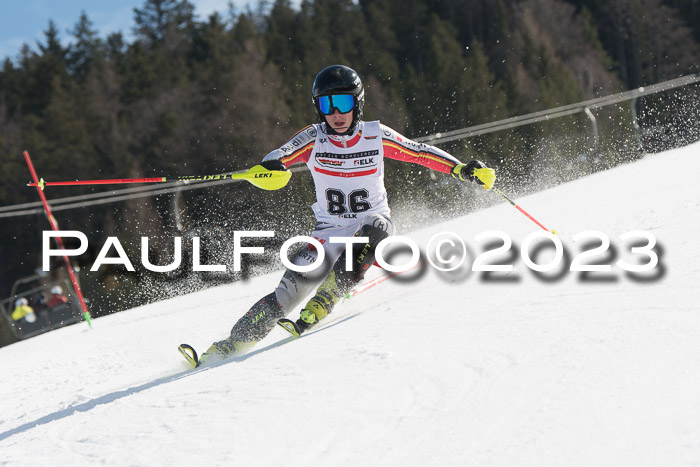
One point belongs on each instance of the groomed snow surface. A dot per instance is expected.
(432, 369)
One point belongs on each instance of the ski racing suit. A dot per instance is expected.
(348, 174)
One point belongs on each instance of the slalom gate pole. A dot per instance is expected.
(499, 192)
(59, 240)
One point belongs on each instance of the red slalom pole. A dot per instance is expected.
(59, 240)
(522, 210)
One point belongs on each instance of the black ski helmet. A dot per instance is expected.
(339, 79)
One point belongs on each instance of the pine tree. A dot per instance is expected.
(86, 48)
(157, 17)
(647, 39)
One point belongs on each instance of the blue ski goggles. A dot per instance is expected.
(343, 102)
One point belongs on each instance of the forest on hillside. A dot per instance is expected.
(192, 95)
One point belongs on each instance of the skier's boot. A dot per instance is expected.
(250, 329)
(316, 309)
(322, 303)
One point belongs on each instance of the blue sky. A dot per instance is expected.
(24, 21)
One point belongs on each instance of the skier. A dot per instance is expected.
(346, 158)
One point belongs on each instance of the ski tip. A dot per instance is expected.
(289, 326)
(190, 354)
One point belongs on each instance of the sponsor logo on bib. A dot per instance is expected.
(352, 161)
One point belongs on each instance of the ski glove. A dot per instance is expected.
(475, 171)
(273, 164)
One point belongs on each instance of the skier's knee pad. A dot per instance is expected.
(259, 320)
(373, 226)
(374, 234)
(376, 228)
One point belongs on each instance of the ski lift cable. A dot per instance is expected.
(112, 196)
(437, 138)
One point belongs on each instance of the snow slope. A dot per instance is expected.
(437, 370)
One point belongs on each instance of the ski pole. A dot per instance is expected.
(513, 203)
(257, 175)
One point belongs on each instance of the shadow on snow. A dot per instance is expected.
(117, 395)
